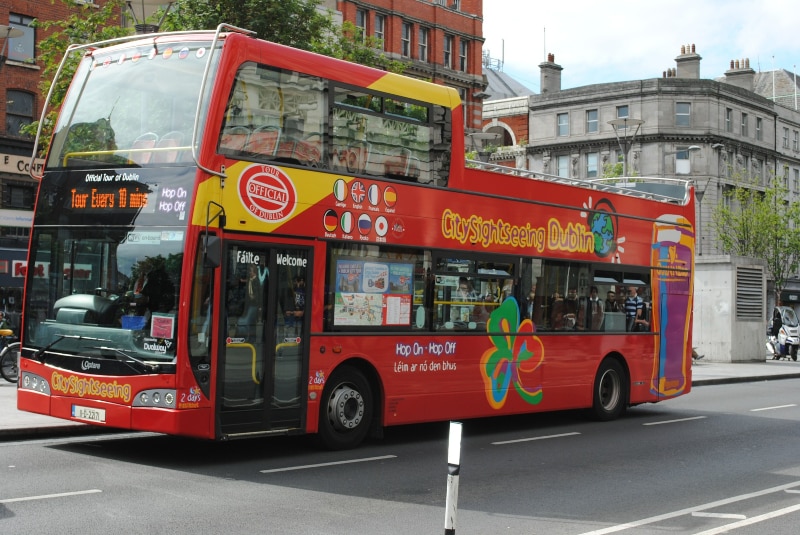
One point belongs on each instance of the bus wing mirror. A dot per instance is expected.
(212, 251)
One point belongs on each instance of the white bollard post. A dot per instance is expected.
(453, 468)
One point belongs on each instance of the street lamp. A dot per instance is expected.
(484, 138)
(140, 23)
(623, 124)
(6, 33)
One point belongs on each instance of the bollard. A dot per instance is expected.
(453, 467)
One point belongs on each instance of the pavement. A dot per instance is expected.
(16, 424)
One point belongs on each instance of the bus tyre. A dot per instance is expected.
(610, 391)
(345, 410)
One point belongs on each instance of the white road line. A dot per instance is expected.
(689, 510)
(750, 521)
(719, 515)
(533, 438)
(676, 421)
(307, 466)
(48, 496)
(775, 407)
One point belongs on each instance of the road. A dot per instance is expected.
(724, 457)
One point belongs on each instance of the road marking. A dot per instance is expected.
(718, 515)
(307, 466)
(676, 421)
(502, 442)
(750, 521)
(689, 510)
(775, 407)
(48, 496)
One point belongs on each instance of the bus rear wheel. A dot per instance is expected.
(346, 409)
(610, 391)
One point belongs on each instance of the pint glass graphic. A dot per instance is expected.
(673, 260)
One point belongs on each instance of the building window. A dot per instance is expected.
(622, 112)
(21, 48)
(682, 166)
(423, 44)
(683, 114)
(759, 134)
(380, 29)
(19, 111)
(745, 125)
(361, 23)
(796, 142)
(728, 120)
(562, 163)
(786, 176)
(562, 120)
(405, 39)
(448, 51)
(796, 181)
(463, 55)
(591, 121)
(19, 196)
(785, 138)
(591, 164)
(456, 4)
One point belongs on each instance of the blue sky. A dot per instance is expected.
(597, 42)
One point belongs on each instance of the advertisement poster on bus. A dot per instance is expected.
(372, 293)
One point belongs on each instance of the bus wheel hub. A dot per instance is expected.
(346, 409)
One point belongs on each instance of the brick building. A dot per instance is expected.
(440, 40)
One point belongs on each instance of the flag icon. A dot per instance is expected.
(340, 190)
(381, 226)
(346, 222)
(389, 196)
(364, 224)
(358, 192)
(374, 194)
(330, 220)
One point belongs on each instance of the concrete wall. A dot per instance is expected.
(718, 333)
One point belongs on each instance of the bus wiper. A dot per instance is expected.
(39, 354)
(146, 366)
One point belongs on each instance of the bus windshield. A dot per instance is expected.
(115, 286)
(150, 117)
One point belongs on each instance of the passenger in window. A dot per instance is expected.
(595, 311)
(465, 290)
(557, 312)
(633, 308)
(571, 307)
(611, 304)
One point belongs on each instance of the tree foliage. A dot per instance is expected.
(759, 222)
(296, 23)
(86, 23)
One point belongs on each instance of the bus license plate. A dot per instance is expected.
(89, 413)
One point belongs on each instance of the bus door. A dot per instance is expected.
(265, 338)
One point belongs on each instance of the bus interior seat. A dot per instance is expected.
(234, 139)
(168, 140)
(140, 150)
(264, 140)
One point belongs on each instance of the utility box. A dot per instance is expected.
(730, 308)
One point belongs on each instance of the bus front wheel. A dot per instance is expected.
(346, 409)
(610, 391)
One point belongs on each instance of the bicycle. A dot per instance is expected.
(9, 357)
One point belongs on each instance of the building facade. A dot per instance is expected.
(440, 41)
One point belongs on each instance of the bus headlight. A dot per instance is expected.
(155, 398)
(31, 381)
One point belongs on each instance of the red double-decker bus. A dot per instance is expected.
(233, 238)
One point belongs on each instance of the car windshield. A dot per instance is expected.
(789, 318)
(117, 287)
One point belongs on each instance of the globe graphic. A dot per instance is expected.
(602, 226)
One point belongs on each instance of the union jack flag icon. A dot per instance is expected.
(358, 192)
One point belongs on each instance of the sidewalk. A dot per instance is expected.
(16, 424)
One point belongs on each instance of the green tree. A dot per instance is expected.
(87, 23)
(296, 23)
(759, 222)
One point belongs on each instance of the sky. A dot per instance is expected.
(598, 42)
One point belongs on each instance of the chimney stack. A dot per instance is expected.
(688, 63)
(740, 74)
(550, 75)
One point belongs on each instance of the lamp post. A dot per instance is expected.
(140, 22)
(623, 124)
(6, 33)
(483, 138)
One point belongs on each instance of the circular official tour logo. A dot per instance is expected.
(267, 193)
